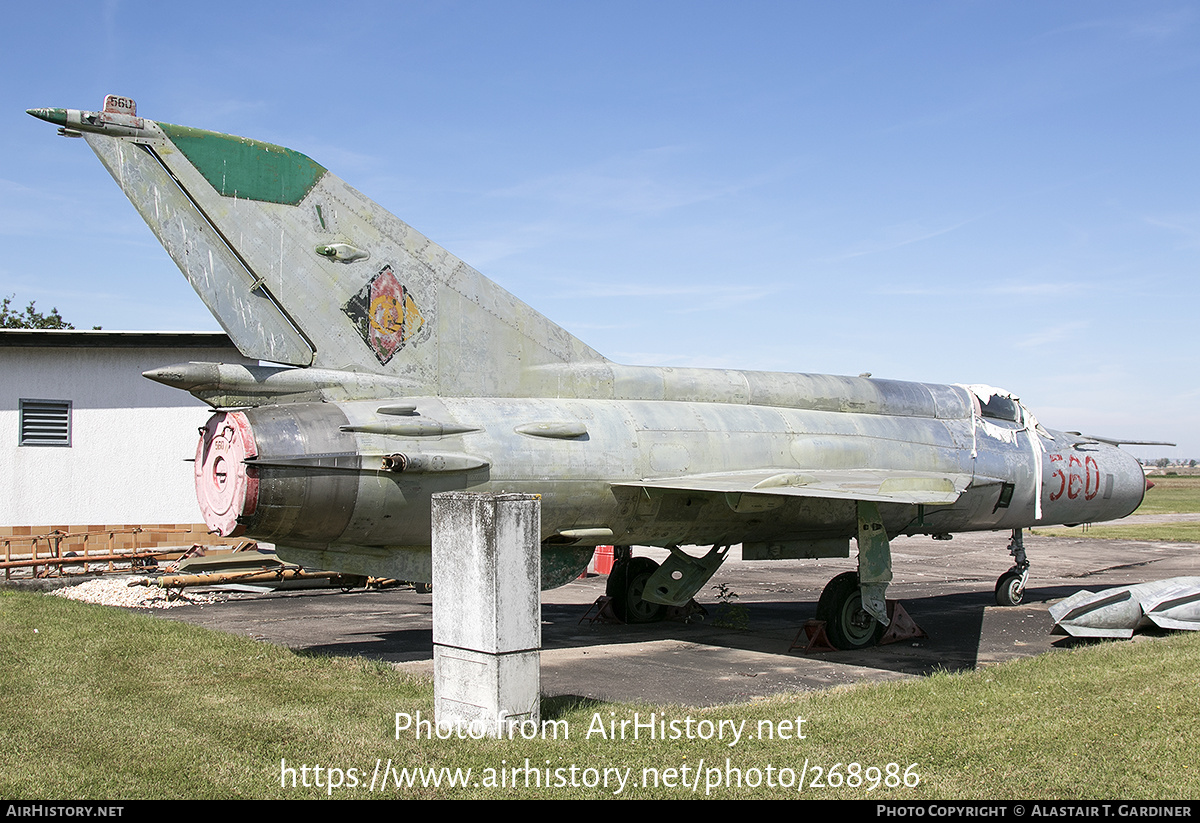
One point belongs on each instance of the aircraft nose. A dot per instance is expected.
(1131, 483)
(1090, 482)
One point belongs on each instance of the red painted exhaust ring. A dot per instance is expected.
(225, 489)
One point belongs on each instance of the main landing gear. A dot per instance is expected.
(627, 583)
(853, 604)
(642, 590)
(1010, 588)
(847, 624)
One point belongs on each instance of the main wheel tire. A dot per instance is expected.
(1009, 591)
(847, 624)
(626, 583)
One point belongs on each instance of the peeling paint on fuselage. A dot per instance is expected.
(576, 477)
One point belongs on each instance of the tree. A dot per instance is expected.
(31, 318)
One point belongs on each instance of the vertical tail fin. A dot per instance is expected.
(300, 268)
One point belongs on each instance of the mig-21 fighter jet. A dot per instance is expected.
(392, 370)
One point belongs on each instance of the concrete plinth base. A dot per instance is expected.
(487, 629)
(486, 693)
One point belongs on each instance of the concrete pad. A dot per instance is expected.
(946, 586)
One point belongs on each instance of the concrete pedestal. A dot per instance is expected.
(487, 629)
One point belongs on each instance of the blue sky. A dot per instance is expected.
(975, 192)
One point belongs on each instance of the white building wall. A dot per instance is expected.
(130, 437)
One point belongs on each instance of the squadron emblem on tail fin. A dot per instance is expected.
(385, 315)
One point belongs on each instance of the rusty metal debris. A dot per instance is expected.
(282, 577)
(248, 568)
(48, 554)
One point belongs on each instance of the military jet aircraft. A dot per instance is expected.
(391, 371)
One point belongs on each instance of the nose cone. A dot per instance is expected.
(55, 116)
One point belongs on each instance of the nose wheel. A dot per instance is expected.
(1010, 587)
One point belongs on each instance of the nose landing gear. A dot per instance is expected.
(1010, 588)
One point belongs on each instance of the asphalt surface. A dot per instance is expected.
(947, 587)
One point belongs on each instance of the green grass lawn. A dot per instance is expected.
(1172, 494)
(1181, 532)
(107, 704)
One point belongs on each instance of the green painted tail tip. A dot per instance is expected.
(247, 169)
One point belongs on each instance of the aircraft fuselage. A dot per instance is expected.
(323, 481)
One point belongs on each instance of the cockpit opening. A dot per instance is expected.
(999, 407)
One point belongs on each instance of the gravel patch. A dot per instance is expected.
(120, 591)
